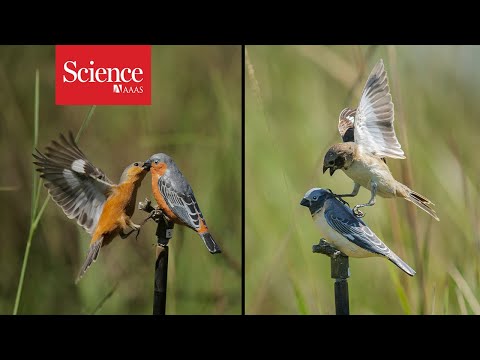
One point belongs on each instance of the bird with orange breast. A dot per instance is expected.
(175, 198)
(85, 193)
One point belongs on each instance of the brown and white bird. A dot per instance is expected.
(369, 137)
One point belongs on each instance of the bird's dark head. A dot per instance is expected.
(159, 163)
(337, 157)
(315, 198)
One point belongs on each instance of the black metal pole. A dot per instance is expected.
(340, 271)
(163, 233)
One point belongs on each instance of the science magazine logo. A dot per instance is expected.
(103, 75)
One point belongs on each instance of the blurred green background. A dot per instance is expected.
(195, 117)
(294, 95)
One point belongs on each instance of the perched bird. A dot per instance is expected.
(345, 231)
(85, 193)
(369, 137)
(175, 198)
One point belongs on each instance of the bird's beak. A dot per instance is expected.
(147, 164)
(332, 169)
(305, 202)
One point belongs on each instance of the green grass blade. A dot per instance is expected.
(465, 290)
(85, 122)
(401, 293)
(35, 138)
(34, 194)
(104, 300)
(300, 299)
(36, 216)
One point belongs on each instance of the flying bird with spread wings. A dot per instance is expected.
(86, 194)
(368, 138)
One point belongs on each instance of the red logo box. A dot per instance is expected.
(103, 75)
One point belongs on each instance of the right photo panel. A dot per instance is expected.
(361, 180)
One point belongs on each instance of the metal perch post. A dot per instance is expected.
(163, 234)
(340, 271)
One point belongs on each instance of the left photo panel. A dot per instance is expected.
(122, 187)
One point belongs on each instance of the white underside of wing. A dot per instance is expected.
(373, 126)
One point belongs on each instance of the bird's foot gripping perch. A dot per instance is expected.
(165, 226)
(325, 248)
(357, 212)
(155, 213)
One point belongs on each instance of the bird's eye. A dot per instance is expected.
(156, 161)
(136, 164)
(315, 197)
(330, 162)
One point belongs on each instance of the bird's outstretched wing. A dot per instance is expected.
(75, 185)
(373, 124)
(183, 204)
(341, 219)
(345, 124)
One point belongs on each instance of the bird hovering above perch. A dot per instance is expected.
(369, 137)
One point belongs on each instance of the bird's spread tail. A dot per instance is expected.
(400, 263)
(91, 257)
(211, 245)
(421, 201)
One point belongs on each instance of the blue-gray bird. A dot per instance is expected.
(175, 198)
(345, 231)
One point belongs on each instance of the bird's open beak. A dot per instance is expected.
(305, 202)
(147, 164)
(332, 169)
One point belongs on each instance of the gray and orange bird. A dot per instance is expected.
(369, 137)
(176, 200)
(86, 194)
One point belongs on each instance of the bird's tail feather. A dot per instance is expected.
(421, 201)
(400, 263)
(211, 245)
(91, 257)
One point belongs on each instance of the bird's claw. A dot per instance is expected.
(155, 214)
(145, 206)
(357, 212)
(341, 200)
